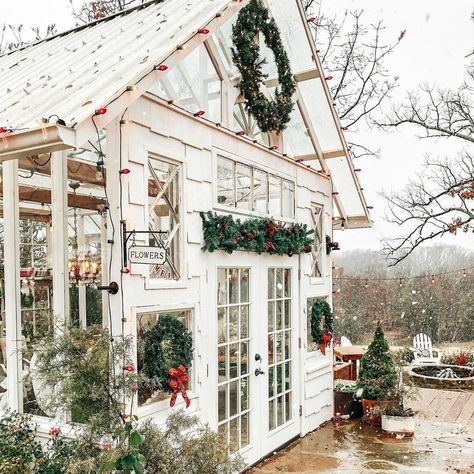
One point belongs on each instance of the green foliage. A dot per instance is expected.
(256, 235)
(84, 369)
(167, 345)
(351, 389)
(270, 115)
(319, 310)
(463, 358)
(403, 356)
(20, 452)
(185, 446)
(377, 375)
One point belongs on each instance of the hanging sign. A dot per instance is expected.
(147, 255)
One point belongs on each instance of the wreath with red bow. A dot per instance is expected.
(321, 331)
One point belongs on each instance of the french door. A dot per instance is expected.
(258, 383)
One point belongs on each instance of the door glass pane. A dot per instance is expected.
(279, 347)
(233, 356)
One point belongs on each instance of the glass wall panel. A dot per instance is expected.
(225, 181)
(244, 186)
(260, 191)
(288, 199)
(274, 193)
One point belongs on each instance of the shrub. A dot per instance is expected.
(403, 356)
(459, 358)
(377, 375)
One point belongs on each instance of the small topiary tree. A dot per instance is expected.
(377, 375)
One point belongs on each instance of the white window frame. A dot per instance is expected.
(162, 407)
(152, 282)
(318, 249)
(236, 210)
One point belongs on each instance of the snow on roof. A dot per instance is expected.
(74, 73)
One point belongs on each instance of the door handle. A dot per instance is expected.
(258, 357)
(259, 372)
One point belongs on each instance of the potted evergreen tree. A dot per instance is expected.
(377, 379)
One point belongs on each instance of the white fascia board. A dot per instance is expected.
(35, 141)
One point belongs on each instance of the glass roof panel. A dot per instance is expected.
(296, 136)
(223, 38)
(320, 114)
(344, 183)
(293, 33)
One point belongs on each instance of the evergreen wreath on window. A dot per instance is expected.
(167, 345)
(271, 115)
(321, 331)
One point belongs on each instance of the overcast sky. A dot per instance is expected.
(438, 37)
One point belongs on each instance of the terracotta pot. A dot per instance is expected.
(398, 425)
(373, 410)
(344, 404)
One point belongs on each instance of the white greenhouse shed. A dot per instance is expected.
(114, 138)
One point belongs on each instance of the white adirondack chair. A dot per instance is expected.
(423, 350)
(345, 342)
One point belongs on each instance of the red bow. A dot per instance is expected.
(178, 380)
(326, 340)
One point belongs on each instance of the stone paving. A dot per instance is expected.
(439, 445)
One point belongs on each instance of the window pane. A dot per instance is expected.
(274, 204)
(225, 181)
(243, 185)
(163, 208)
(260, 191)
(288, 199)
(148, 393)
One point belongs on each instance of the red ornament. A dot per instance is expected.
(328, 78)
(344, 129)
(300, 160)
(269, 245)
(124, 171)
(357, 170)
(203, 31)
(312, 19)
(178, 380)
(125, 270)
(236, 240)
(241, 133)
(370, 207)
(162, 67)
(55, 431)
(129, 368)
(199, 113)
(307, 248)
(101, 111)
(273, 148)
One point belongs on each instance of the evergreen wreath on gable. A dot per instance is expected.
(321, 331)
(168, 345)
(271, 115)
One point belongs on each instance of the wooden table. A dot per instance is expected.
(350, 354)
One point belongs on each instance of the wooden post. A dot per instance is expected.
(60, 242)
(11, 213)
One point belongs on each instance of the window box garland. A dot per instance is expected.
(261, 235)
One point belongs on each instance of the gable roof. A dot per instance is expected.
(74, 73)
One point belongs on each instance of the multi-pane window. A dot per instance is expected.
(279, 347)
(164, 215)
(317, 250)
(145, 322)
(249, 188)
(233, 308)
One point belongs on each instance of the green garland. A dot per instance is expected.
(319, 310)
(167, 345)
(270, 115)
(256, 235)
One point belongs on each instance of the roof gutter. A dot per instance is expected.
(51, 137)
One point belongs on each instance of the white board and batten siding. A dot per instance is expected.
(157, 130)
